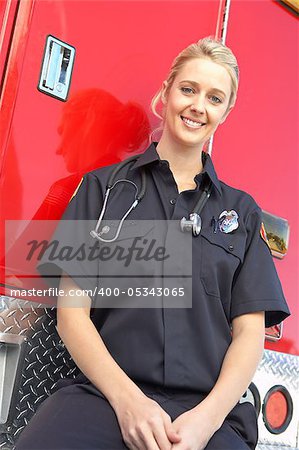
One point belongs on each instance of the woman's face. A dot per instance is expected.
(196, 103)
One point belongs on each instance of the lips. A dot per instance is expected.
(192, 123)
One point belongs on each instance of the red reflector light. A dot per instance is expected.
(277, 409)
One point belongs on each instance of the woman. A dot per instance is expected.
(170, 377)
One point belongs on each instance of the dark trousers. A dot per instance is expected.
(78, 416)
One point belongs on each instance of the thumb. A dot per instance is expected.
(172, 435)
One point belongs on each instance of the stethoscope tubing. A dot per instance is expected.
(194, 222)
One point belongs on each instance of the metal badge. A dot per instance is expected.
(228, 221)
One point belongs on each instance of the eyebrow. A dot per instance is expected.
(196, 84)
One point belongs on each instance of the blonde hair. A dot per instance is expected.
(208, 48)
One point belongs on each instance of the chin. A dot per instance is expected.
(191, 142)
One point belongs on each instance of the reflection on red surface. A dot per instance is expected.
(95, 128)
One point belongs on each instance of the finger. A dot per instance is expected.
(166, 434)
(161, 438)
(149, 442)
(132, 441)
(177, 446)
(173, 436)
(131, 446)
(171, 433)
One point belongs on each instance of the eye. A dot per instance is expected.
(216, 99)
(187, 90)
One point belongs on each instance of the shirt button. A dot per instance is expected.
(172, 201)
(230, 247)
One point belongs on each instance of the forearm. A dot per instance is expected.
(92, 357)
(89, 352)
(237, 371)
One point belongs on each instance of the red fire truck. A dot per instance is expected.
(65, 65)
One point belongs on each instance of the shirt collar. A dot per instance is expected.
(151, 155)
(148, 156)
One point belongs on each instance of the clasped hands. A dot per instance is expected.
(146, 426)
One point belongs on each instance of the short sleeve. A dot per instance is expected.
(71, 247)
(256, 284)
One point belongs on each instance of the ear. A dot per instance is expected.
(226, 113)
(163, 92)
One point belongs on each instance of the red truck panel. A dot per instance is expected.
(123, 52)
(257, 149)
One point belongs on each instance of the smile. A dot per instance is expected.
(190, 123)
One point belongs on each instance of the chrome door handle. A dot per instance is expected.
(57, 67)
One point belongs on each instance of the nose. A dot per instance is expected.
(198, 105)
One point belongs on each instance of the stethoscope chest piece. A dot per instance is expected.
(193, 224)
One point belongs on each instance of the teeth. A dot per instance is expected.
(192, 123)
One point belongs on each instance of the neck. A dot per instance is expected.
(185, 161)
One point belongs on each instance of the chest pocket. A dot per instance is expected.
(129, 254)
(221, 254)
(130, 229)
(128, 265)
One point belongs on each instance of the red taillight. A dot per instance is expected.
(277, 409)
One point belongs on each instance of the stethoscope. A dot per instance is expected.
(193, 224)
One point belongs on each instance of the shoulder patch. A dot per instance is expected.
(76, 190)
(264, 235)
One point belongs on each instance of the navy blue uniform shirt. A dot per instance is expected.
(232, 274)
